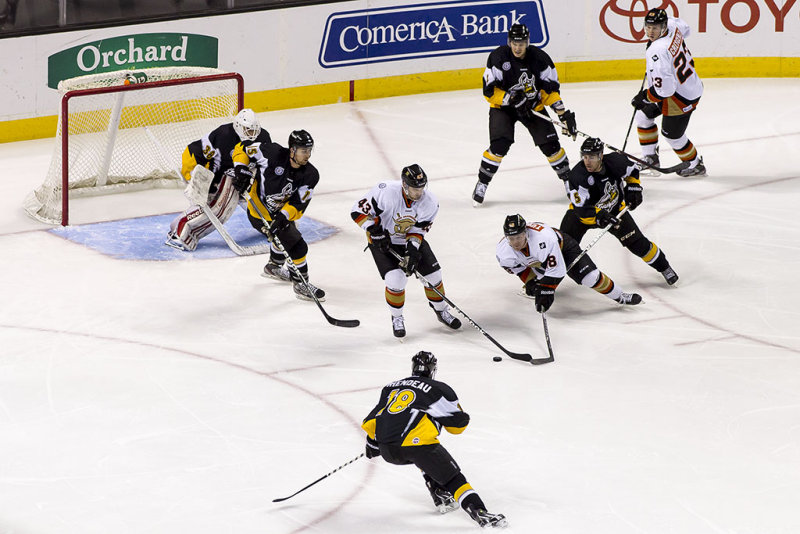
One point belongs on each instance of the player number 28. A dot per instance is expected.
(399, 400)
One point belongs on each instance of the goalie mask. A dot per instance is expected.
(246, 125)
(423, 363)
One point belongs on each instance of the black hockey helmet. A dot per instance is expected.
(518, 32)
(656, 16)
(301, 138)
(423, 363)
(592, 145)
(514, 224)
(414, 176)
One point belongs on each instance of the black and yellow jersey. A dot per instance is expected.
(604, 189)
(534, 72)
(215, 150)
(412, 412)
(277, 185)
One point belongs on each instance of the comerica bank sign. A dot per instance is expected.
(426, 30)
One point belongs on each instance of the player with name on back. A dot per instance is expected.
(540, 254)
(601, 186)
(207, 165)
(403, 429)
(279, 196)
(520, 78)
(397, 216)
(673, 90)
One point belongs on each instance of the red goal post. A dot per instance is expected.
(117, 133)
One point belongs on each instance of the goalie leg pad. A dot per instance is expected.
(197, 190)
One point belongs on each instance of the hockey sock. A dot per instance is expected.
(601, 283)
(395, 298)
(648, 139)
(435, 300)
(559, 161)
(489, 164)
(461, 491)
(655, 258)
(687, 153)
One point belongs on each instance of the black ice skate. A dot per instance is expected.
(650, 159)
(485, 519)
(277, 272)
(301, 291)
(446, 318)
(443, 500)
(630, 299)
(398, 326)
(478, 193)
(697, 170)
(670, 275)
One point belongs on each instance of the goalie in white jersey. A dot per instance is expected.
(673, 90)
(539, 255)
(397, 216)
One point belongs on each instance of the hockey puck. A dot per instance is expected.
(498, 358)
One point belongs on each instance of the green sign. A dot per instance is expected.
(140, 51)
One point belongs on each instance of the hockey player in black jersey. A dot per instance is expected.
(599, 188)
(404, 426)
(518, 79)
(283, 186)
(213, 154)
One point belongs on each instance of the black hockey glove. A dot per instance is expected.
(604, 218)
(518, 100)
(242, 178)
(633, 195)
(279, 223)
(568, 118)
(379, 237)
(640, 100)
(411, 259)
(372, 449)
(530, 288)
(544, 297)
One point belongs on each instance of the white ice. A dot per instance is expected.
(167, 397)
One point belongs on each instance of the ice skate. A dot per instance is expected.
(670, 275)
(277, 272)
(650, 159)
(485, 519)
(398, 326)
(446, 318)
(175, 242)
(443, 500)
(697, 170)
(301, 291)
(479, 193)
(630, 299)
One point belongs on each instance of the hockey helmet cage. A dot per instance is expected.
(414, 176)
(246, 125)
(423, 363)
(518, 32)
(514, 225)
(656, 16)
(592, 145)
(300, 138)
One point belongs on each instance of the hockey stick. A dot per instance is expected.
(633, 115)
(323, 477)
(215, 222)
(665, 170)
(552, 357)
(514, 355)
(345, 323)
(595, 240)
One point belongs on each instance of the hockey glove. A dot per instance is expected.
(640, 100)
(518, 100)
(633, 195)
(530, 288)
(544, 297)
(568, 118)
(279, 223)
(604, 218)
(372, 449)
(242, 178)
(411, 259)
(379, 238)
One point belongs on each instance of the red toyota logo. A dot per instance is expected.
(614, 26)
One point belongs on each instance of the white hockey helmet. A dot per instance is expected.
(246, 125)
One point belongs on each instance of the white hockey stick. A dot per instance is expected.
(237, 249)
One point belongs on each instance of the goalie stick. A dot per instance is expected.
(320, 479)
(665, 170)
(345, 323)
(524, 357)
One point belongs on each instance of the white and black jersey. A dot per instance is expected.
(541, 256)
(672, 79)
(535, 73)
(386, 204)
(604, 189)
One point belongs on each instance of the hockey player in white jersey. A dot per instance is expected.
(396, 217)
(540, 254)
(673, 90)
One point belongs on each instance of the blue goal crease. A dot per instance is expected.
(143, 238)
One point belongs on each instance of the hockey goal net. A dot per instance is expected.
(126, 131)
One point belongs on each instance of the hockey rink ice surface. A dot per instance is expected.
(183, 396)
